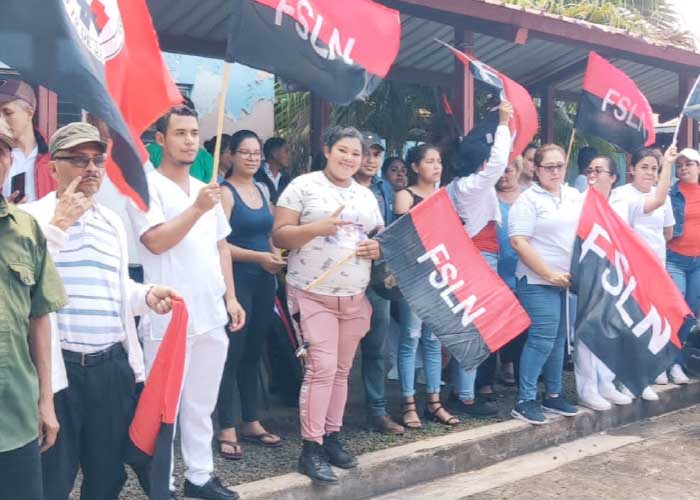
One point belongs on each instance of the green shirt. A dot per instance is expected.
(29, 287)
(201, 169)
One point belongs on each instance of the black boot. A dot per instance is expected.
(314, 463)
(337, 454)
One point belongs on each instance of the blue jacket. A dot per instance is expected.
(678, 204)
(385, 198)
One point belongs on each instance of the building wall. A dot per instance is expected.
(249, 99)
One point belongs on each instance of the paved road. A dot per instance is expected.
(657, 459)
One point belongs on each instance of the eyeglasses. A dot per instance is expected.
(249, 154)
(598, 171)
(83, 161)
(551, 168)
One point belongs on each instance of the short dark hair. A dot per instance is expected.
(164, 121)
(388, 161)
(334, 134)
(272, 145)
(471, 154)
(416, 155)
(240, 136)
(640, 154)
(210, 145)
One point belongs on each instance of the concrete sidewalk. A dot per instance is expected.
(392, 469)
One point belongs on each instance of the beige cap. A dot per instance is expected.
(74, 134)
(6, 134)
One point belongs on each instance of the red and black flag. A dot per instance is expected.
(339, 50)
(629, 311)
(103, 56)
(448, 283)
(153, 428)
(613, 108)
(525, 121)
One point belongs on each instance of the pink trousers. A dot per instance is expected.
(333, 327)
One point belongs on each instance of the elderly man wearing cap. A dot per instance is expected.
(30, 289)
(373, 361)
(30, 177)
(97, 359)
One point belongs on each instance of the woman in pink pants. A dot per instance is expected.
(322, 218)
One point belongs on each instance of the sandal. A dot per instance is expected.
(236, 455)
(408, 405)
(263, 439)
(439, 414)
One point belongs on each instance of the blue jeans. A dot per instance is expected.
(685, 272)
(546, 341)
(412, 332)
(373, 362)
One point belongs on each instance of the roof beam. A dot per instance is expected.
(573, 69)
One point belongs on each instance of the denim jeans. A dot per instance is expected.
(373, 362)
(546, 341)
(685, 272)
(486, 372)
(462, 381)
(412, 331)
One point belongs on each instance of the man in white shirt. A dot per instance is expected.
(182, 242)
(95, 349)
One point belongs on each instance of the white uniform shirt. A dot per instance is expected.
(192, 267)
(550, 223)
(474, 196)
(315, 198)
(628, 203)
(22, 164)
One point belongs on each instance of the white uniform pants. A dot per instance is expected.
(592, 376)
(204, 364)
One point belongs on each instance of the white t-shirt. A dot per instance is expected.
(22, 165)
(315, 198)
(550, 223)
(192, 267)
(628, 203)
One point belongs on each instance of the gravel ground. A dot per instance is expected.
(259, 463)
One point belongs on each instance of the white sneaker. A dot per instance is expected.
(615, 397)
(650, 395)
(594, 401)
(662, 379)
(678, 376)
(626, 392)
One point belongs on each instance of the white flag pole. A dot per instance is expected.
(680, 117)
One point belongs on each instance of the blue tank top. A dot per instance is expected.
(250, 229)
(507, 258)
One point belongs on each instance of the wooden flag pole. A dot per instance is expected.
(330, 271)
(220, 119)
(570, 148)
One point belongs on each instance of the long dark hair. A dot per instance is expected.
(236, 140)
(416, 155)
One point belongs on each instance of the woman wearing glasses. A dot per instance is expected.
(255, 264)
(542, 228)
(644, 205)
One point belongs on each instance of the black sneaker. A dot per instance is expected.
(530, 412)
(336, 453)
(314, 463)
(477, 408)
(211, 490)
(560, 406)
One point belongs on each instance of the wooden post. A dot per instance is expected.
(685, 127)
(46, 113)
(464, 81)
(320, 120)
(548, 114)
(220, 120)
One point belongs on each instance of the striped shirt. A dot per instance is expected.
(89, 265)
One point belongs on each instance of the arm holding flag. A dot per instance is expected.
(651, 203)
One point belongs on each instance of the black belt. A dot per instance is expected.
(94, 358)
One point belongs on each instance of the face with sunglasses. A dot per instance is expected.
(600, 176)
(551, 170)
(86, 161)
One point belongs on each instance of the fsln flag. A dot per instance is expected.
(103, 56)
(629, 311)
(525, 121)
(339, 50)
(613, 108)
(448, 283)
(153, 427)
(691, 108)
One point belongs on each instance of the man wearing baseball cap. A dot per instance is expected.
(30, 289)
(30, 177)
(97, 359)
(373, 364)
